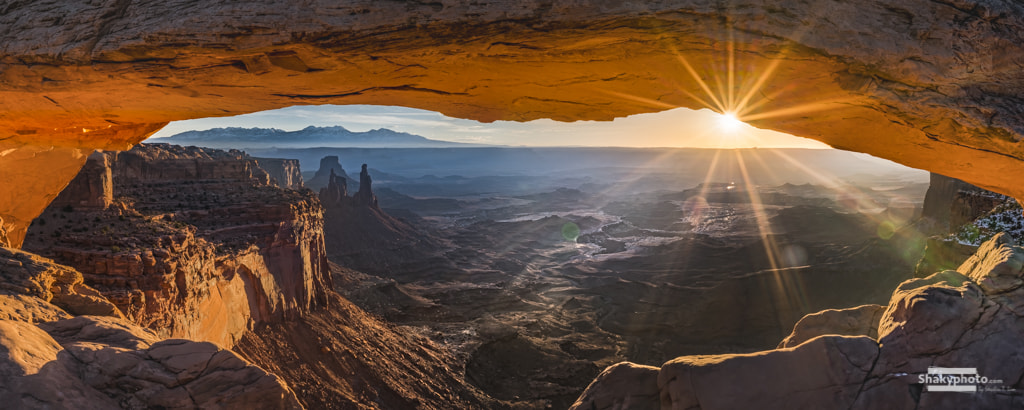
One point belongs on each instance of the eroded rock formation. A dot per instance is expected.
(335, 193)
(911, 82)
(328, 165)
(365, 194)
(969, 318)
(361, 235)
(50, 359)
(25, 274)
(284, 172)
(197, 245)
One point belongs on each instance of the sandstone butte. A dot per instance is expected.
(932, 84)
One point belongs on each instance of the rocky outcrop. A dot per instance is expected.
(198, 246)
(365, 194)
(951, 208)
(335, 193)
(856, 321)
(328, 165)
(50, 359)
(152, 163)
(102, 363)
(361, 236)
(950, 203)
(622, 386)
(228, 259)
(285, 173)
(969, 318)
(22, 273)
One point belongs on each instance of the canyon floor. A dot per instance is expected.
(536, 292)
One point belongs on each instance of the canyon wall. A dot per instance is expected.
(930, 84)
(950, 203)
(198, 244)
(284, 172)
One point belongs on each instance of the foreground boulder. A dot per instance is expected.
(856, 321)
(966, 321)
(92, 362)
(53, 360)
(24, 275)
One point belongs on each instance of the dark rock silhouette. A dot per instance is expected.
(365, 195)
(360, 235)
(335, 192)
(323, 174)
(951, 202)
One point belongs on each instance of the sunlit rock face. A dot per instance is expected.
(933, 85)
(197, 245)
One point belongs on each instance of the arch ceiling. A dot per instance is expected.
(932, 84)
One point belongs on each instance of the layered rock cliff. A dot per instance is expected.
(283, 172)
(855, 358)
(52, 359)
(198, 244)
(910, 82)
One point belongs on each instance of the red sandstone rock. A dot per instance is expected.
(284, 172)
(199, 244)
(49, 359)
(27, 274)
(856, 321)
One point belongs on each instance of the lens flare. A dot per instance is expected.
(729, 123)
(570, 231)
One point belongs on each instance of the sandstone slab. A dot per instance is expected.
(856, 321)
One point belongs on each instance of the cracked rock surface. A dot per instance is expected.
(967, 318)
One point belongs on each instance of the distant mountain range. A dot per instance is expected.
(309, 137)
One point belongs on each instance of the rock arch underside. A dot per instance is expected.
(931, 84)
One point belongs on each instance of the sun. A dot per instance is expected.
(729, 123)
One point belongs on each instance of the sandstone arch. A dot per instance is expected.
(933, 84)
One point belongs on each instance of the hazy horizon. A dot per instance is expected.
(677, 128)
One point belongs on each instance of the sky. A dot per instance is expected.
(679, 127)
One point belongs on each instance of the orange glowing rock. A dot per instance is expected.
(903, 83)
